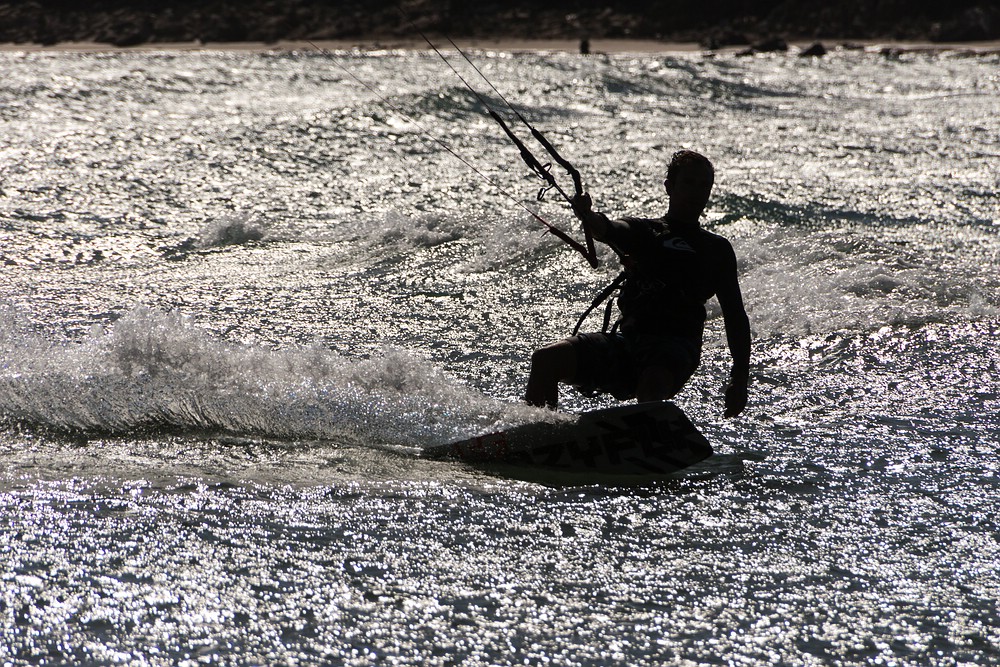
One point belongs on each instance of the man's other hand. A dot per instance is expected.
(582, 204)
(736, 398)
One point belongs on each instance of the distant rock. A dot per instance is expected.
(815, 51)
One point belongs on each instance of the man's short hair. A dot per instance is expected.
(695, 166)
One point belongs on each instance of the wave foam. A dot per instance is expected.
(156, 370)
(230, 231)
(799, 282)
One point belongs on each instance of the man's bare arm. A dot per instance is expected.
(598, 224)
(738, 338)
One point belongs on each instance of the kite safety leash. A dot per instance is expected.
(552, 229)
(540, 138)
(543, 171)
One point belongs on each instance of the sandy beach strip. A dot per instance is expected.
(596, 46)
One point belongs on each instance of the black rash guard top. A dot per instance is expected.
(672, 270)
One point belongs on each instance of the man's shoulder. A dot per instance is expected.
(663, 225)
(651, 228)
(645, 222)
(718, 246)
(714, 237)
(643, 225)
(637, 230)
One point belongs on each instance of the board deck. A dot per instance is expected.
(638, 439)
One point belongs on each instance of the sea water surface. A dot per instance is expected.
(239, 292)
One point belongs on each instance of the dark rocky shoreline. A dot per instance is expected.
(713, 23)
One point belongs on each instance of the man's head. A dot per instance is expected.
(690, 177)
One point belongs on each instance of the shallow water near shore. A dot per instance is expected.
(240, 292)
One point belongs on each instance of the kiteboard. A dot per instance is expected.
(641, 439)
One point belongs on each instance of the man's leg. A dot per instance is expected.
(656, 383)
(549, 366)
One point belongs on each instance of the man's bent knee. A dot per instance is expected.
(549, 366)
(556, 361)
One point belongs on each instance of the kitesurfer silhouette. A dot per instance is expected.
(671, 268)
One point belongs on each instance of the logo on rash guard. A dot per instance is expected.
(675, 243)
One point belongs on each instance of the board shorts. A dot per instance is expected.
(611, 363)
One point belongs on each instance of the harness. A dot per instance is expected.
(603, 296)
(631, 268)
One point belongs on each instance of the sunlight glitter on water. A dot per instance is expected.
(231, 279)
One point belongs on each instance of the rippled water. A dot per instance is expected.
(239, 292)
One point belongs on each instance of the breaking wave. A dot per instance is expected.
(156, 370)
